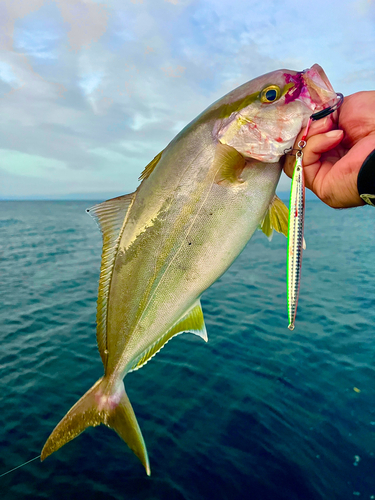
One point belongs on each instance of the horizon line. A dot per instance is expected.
(109, 195)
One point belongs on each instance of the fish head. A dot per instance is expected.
(262, 118)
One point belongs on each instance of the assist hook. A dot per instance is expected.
(318, 116)
(327, 111)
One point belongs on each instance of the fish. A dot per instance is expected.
(199, 202)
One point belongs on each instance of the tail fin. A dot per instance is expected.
(98, 406)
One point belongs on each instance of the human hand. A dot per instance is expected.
(336, 149)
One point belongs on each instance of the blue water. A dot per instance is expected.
(259, 412)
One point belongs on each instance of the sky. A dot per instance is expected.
(91, 91)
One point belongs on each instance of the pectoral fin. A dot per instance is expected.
(192, 321)
(276, 219)
(230, 164)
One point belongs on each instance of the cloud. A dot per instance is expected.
(10, 11)
(87, 21)
(99, 89)
(7, 75)
(361, 76)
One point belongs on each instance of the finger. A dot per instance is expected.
(315, 146)
(319, 144)
(316, 127)
(336, 182)
(320, 126)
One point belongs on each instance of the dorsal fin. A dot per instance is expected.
(192, 321)
(150, 167)
(276, 218)
(111, 218)
(230, 164)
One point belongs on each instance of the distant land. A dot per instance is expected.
(284, 195)
(63, 197)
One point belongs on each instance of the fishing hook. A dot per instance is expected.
(327, 111)
(317, 116)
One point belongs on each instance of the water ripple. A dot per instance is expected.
(257, 411)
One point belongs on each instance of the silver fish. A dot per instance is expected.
(199, 202)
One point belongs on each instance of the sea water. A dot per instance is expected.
(259, 412)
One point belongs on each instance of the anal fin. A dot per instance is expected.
(192, 321)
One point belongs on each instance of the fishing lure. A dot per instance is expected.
(296, 242)
(295, 235)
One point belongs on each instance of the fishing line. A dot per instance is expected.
(301, 144)
(18, 466)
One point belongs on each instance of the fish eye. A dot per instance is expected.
(270, 93)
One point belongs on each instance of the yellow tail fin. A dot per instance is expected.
(99, 406)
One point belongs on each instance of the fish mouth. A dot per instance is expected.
(319, 87)
(318, 69)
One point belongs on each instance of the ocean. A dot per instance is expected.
(258, 413)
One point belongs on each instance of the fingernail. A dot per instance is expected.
(334, 133)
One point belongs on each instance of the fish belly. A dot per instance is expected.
(183, 232)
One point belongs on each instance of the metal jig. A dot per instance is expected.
(297, 216)
(295, 235)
